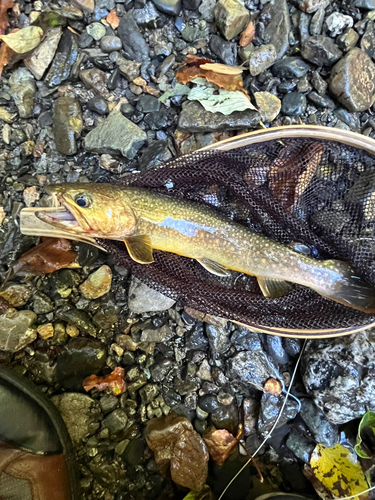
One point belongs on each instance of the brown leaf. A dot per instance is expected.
(292, 173)
(114, 381)
(113, 19)
(191, 68)
(273, 386)
(47, 257)
(73, 31)
(223, 69)
(247, 35)
(220, 444)
(5, 5)
(5, 55)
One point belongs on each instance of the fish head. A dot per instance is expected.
(97, 210)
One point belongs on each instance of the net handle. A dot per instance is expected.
(293, 131)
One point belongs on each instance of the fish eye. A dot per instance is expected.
(82, 200)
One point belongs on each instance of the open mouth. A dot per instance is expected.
(58, 217)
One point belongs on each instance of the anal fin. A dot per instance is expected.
(214, 267)
(272, 288)
(139, 248)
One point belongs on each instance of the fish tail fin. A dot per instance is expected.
(349, 289)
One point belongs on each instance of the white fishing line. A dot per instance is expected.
(273, 427)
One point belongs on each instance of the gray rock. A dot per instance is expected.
(134, 452)
(368, 39)
(218, 339)
(108, 403)
(155, 334)
(85, 40)
(66, 56)
(194, 118)
(156, 120)
(244, 339)
(365, 4)
(22, 89)
(110, 43)
(268, 104)
(206, 9)
(320, 50)
(148, 103)
(80, 414)
(277, 30)
(96, 30)
(250, 415)
(262, 58)
(148, 393)
(319, 84)
(42, 56)
(316, 24)
(157, 153)
(16, 330)
(225, 51)
(144, 299)
(290, 67)
(116, 134)
(42, 304)
(135, 47)
(300, 446)
(171, 7)
(146, 15)
(303, 25)
(337, 22)
(94, 79)
(191, 4)
(80, 319)
(67, 124)
(225, 417)
(86, 5)
(270, 407)
(116, 421)
(130, 69)
(352, 80)
(323, 431)
(321, 101)
(276, 350)
(348, 40)
(252, 367)
(293, 104)
(339, 374)
(231, 17)
(311, 6)
(98, 104)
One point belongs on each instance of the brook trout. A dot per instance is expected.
(145, 221)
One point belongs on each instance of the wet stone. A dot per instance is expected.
(218, 339)
(86, 5)
(116, 421)
(94, 79)
(98, 104)
(78, 318)
(116, 134)
(191, 4)
(321, 101)
(144, 299)
(85, 40)
(276, 350)
(66, 56)
(16, 329)
(320, 50)
(348, 40)
(365, 4)
(148, 393)
(323, 431)
(42, 56)
(316, 23)
(276, 17)
(22, 89)
(352, 80)
(300, 445)
(194, 118)
(270, 409)
(171, 7)
(155, 154)
(311, 6)
(78, 359)
(16, 295)
(206, 9)
(108, 403)
(110, 43)
(134, 45)
(319, 84)
(96, 30)
(147, 104)
(67, 124)
(231, 17)
(291, 346)
(337, 22)
(262, 58)
(290, 67)
(268, 104)
(250, 415)
(368, 39)
(293, 104)
(97, 284)
(244, 339)
(252, 367)
(225, 51)
(146, 15)
(226, 417)
(156, 120)
(134, 452)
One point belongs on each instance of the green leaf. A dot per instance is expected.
(204, 494)
(23, 40)
(219, 101)
(338, 470)
(365, 447)
(179, 89)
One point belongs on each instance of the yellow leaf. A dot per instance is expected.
(223, 69)
(339, 471)
(23, 40)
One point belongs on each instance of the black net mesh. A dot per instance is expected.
(319, 193)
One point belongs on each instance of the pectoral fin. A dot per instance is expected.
(139, 248)
(300, 248)
(272, 288)
(214, 267)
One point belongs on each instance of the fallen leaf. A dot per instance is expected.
(292, 172)
(113, 19)
(204, 494)
(114, 381)
(365, 447)
(339, 471)
(223, 69)
(273, 386)
(191, 69)
(219, 101)
(47, 257)
(247, 35)
(24, 40)
(5, 55)
(5, 5)
(220, 444)
(73, 31)
(179, 451)
(176, 91)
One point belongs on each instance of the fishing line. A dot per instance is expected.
(273, 427)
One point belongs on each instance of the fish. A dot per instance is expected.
(145, 221)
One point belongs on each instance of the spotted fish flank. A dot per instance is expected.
(146, 220)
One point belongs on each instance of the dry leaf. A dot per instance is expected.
(220, 444)
(247, 35)
(223, 69)
(49, 256)
(72, 30)
(24, 40)
(292, 172)
(113, 19)
(5, 5)
(273, 386)
(191, 68)
(5, 55)
(114, 381)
